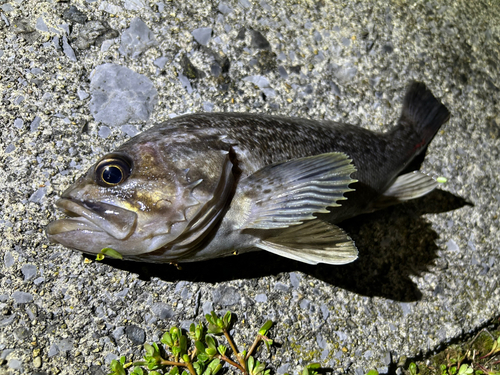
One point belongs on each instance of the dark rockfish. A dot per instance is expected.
(208, 185)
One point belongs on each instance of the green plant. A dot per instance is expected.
(107, 251)
(479, 356)
(205, 358)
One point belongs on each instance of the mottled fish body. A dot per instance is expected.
(207, 185)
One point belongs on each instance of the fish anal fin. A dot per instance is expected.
(312, 242)
(407, 186)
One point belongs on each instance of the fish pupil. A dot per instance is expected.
(112, 175)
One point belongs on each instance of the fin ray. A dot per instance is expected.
(423, 112)
(312, 242)
(407, 186)
(287, 193)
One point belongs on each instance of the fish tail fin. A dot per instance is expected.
(423, 113)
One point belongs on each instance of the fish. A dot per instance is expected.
(208, 185)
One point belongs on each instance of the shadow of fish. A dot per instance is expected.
(210, 185)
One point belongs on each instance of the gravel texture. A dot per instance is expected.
(428, 270)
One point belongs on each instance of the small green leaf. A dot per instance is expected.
(259, 368)
(215, 317)
(250, 364)
(99, 257)
(122, 359)
(227, 319)
(268, 343)
(412, 368)
(465, 370)
(263, 330)
(202, 357)
(222, 349)
(111, 253)
(138, 371)
(176, 350)
(183, 344)
(186, 358)
(210, 342)
(175, 332)
(215, 365)
(441, 180)
(150, 351)
(209, 319)
(199, 346)
(167, 339)
(372, 372)
(117, 368)
(216, 369)
(495, 346)
(198, 367)
(174, 371)
(214, 330)
(199, 332)
(211, 351)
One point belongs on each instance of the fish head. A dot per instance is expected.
(138, 199)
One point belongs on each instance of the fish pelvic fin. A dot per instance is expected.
(312, 242)
(407, 186)
(289, 193)
(423, 113)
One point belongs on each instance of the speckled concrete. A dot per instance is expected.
(428, 270)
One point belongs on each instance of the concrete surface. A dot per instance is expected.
(428, 270)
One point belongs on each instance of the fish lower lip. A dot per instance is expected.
(69, 225)
(103, 217)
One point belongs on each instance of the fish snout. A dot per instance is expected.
(117, 222)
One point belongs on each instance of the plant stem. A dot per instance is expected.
(180, 364)
(236, 353)
(191, 369)
(231, 362)
(172, 363)
(254, 345)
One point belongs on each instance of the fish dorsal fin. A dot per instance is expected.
(407, 186)
(312, 242)
(284, 194)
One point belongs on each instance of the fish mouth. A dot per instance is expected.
(90, 217)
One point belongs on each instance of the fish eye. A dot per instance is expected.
(113, 170)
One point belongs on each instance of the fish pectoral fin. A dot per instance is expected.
(407, 186)
(288, 193)
(312, 242)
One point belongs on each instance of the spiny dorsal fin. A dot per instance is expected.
(290, 192)
(312, 242)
